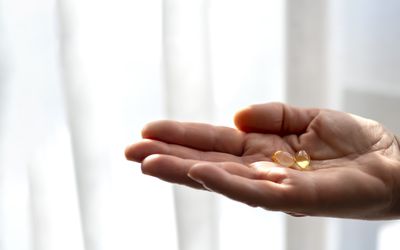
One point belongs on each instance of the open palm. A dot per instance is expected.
(355, 161)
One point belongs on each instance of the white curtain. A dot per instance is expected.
(79, 79)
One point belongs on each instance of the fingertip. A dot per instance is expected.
(128, 153)
(198, 171)
(206, 175)
(145, 130)
(150, 163)
(133, 153)
(140, 150)
(206, 172)
(148, 129)
(241, 116)
(259, 117)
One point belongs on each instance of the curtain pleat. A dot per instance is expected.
(111, 57)
(38, 197)
(189, 96)
(307, 62)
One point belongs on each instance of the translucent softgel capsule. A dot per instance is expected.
(302, 159)
(283, 158)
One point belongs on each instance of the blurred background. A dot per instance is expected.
(79, 79)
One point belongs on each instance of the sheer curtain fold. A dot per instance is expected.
(85, 83)
(247, 66)
(112, 57)
(210, 72)
(189, 97)
(79, 79)
(307, 29)
(38, 199)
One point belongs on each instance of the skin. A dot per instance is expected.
(355, 167)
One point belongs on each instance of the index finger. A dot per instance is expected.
(196, 135)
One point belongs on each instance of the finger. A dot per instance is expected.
(263, 193)
(270, 171)
(171, 169)
(175, 170)
(140, 150)
(196, 135)
(276, 118)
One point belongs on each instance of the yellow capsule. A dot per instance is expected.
(302, 159)
(283, 158)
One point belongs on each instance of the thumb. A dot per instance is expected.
(276, 118)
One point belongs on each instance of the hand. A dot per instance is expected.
(355, 161)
